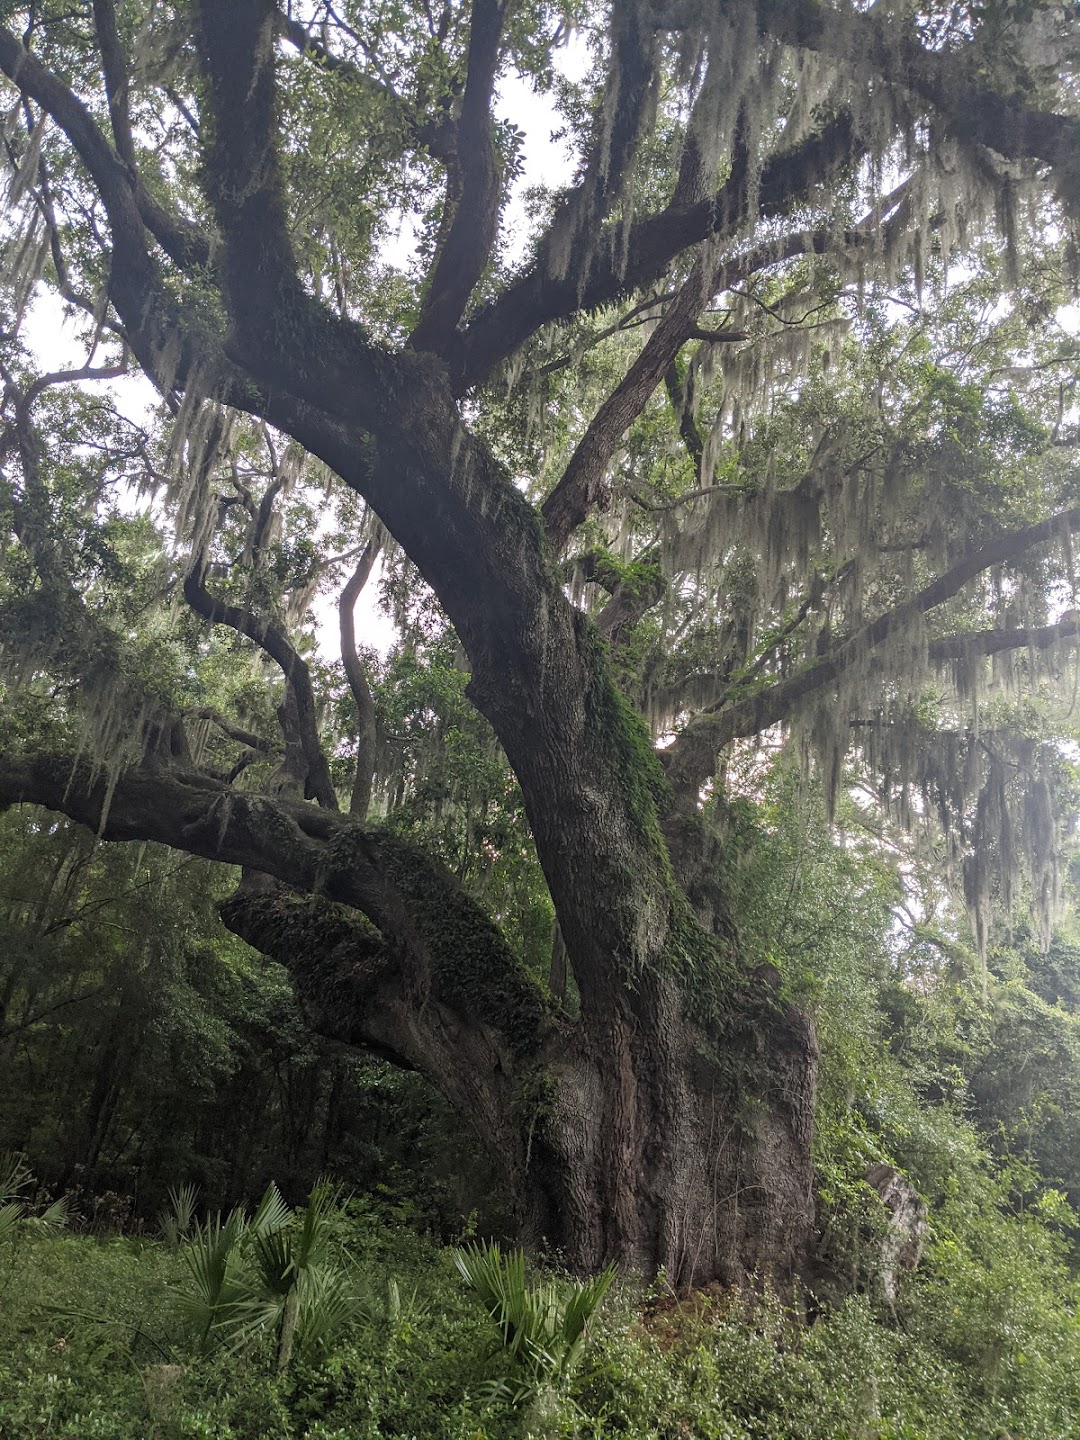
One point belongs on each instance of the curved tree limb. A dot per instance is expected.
(472, 188)
(358, 681)
(300, 698)
(393, 987)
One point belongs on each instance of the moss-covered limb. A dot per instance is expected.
(437, 941)
(336, 957)
(471, 968)
(691, 759)
(953, 84)
(634, 587)
(540, 297)
(355, 988)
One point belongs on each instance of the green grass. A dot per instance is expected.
(94, 1341)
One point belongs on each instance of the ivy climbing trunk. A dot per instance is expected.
(642, 1132)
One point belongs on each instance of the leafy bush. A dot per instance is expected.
(94, 1342)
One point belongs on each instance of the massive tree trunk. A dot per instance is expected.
(668, 1129)
(667, 1152)
(647, 1136)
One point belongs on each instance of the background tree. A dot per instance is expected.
(638, 484)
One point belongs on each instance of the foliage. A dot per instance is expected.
(17, 1215)
(175, 1222)
(141, 1045)
(542, 1326)
(90, 1344)
(267, 1274)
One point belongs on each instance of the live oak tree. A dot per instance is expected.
(728, 451)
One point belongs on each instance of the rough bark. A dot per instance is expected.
(692, 1157)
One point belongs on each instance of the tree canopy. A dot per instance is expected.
(761, 429)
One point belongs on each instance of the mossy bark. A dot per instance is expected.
(661, 1140)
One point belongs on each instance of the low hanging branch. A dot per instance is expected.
(409, 899)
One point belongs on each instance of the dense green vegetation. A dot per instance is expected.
(106, 1329)
(94, 1344)
(685, 892)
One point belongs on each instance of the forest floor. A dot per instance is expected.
(101, 1336)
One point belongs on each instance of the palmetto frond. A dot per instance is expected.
(543, 1326)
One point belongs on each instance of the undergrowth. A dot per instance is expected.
(95, 1340)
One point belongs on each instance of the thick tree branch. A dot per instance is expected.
(411, 901)
(947, 80)
(632, 598)
(115, 70)
(582, 483)
(472, 189)
(262, 289)
(471, 1042)
(546, 294)
(993, 642)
